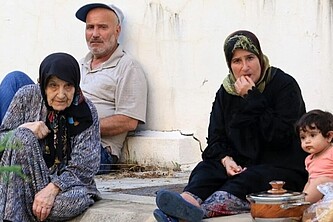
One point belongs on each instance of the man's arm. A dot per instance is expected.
(117, 124)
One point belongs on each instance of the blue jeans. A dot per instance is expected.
(106, 160)
(9, 86)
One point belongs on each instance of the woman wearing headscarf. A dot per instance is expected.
(52, 133)
(251, 138)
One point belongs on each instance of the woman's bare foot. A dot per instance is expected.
(190, 199)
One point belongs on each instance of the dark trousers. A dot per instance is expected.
(107, 160)
(10, 84)
(210, 176)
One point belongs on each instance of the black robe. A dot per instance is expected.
(257, 131)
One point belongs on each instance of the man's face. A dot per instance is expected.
(102, 32)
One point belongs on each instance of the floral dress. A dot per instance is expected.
(76, 180)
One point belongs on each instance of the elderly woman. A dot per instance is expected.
(52, 133)
(251, 138)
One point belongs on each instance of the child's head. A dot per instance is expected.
(315, 129)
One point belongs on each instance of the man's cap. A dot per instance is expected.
(81, 14)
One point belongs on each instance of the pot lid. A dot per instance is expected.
(276, 194)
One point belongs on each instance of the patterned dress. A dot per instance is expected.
(76, 181)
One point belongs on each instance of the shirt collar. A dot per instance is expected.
(111, 62)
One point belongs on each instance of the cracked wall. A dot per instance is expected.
(179, 44)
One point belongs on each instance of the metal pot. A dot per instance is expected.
(277, 204)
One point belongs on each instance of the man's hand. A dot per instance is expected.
(44, 200)
(38, 128)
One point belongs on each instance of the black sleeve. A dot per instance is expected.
(217, 141)
(272, 113)
(260, 121)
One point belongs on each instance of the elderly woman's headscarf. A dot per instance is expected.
(69, 122)
(248, 41)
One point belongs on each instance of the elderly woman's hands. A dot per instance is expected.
(38, 128)
(243, 84)
(231, 166)
(44, 200)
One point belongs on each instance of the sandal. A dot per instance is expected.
(162, 217)
(174, 205)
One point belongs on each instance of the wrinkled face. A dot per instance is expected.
(59, 93)
(313, 141)
(102, 32)
(245, 63)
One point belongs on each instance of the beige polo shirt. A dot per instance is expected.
(119, 86)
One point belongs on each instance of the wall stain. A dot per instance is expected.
(204, 82)
(166, 23)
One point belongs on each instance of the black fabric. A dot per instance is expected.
(77, 116)
(255, 130)
(65, 67)
(254, 179)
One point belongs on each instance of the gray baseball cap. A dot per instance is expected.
(81, 14)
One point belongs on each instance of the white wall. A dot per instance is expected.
(179, 43)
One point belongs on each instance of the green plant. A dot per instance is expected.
(176, 166)
(14, 144)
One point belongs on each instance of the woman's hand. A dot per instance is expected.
(243, 84)
(44, 200)
(38, 128)
(231, 166)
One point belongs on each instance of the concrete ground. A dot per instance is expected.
(130, 197)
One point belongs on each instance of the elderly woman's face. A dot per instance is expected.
(245, 63)
(59, 93)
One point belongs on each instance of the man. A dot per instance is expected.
(111, 79)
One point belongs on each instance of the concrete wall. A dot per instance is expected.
(179, 43)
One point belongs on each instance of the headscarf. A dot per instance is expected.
(246, 40)
(69, 122)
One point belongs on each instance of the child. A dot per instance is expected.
(315, 129)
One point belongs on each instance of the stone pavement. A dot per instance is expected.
(131, 197)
